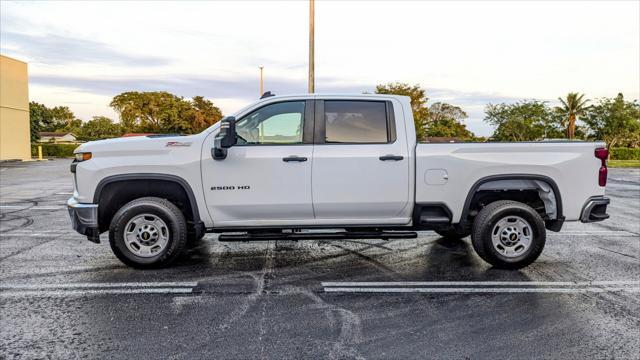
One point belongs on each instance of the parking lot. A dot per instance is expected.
(64, 297)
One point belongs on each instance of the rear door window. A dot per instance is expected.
(356, 122)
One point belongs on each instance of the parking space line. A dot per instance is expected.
(13, 207)
(65, 293)
(12, 234)
(566, 290)
(96, 285)
(478, 283)
(86, 289)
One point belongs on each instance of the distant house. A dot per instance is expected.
(54, 137)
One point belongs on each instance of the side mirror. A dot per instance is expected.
(225, 139)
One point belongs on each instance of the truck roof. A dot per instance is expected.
(337, 95)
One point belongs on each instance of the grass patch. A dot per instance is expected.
(624, 163)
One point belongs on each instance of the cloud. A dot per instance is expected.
(58, 49)
(245, 88)
(189, 86)
(470, 98)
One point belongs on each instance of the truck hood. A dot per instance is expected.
(138, 145)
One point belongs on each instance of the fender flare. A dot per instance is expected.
(150, 176)
(486, 179)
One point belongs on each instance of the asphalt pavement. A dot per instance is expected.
(64, 297)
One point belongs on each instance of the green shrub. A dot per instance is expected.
(54, 150)
(625, 153)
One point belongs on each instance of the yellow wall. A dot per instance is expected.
(14, 110)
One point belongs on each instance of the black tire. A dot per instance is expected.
(453, 233)
(488, 218)
(160, 208)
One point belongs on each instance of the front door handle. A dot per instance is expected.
(294, 158)
(391, 158)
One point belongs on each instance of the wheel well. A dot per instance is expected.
(113, 195)
(539, 192)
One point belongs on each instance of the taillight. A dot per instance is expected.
(603, 155)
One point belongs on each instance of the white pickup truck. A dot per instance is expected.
(330, 167)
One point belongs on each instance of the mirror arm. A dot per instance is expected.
(225, 139)
(218, 153)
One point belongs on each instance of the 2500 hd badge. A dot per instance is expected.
(241, 187)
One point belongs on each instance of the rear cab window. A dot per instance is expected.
(358, 122)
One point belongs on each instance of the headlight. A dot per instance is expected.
(83, 156)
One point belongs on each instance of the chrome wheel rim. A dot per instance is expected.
(146, 235)
(512, 236)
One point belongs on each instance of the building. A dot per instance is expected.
(54, 137)
(15, 140)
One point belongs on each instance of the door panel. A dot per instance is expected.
(266, 178)
(261, 187)
(351, 183)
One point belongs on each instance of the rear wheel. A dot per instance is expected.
(148, 232)
(508, 234)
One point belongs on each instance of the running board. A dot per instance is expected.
(385, 235)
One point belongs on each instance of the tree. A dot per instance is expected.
(59, 118)
(39, 117)
(205, 115)
(525, 120)
(100, 127)
(162, 112)
(445, 120)
(615, 121)
(573, 107)
(73, 126)
(418, 103)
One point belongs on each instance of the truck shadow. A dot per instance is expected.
(308, 263)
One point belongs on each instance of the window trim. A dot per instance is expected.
(307, 122)
(320, 129)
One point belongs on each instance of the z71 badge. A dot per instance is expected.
(241, 187)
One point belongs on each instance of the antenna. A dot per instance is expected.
(266, 95)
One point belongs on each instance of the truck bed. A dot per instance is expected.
(445, 171)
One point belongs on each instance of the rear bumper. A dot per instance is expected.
(84, 219)
(595, 209)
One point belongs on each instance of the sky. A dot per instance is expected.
(466, 53)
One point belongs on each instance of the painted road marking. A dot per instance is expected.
(95, 285)
(83, 289)
(479, 283)
(567, 287)
(10, 207)
(39, 234)
(65, 293)
(567, 290)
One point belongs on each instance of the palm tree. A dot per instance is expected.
(574, 106)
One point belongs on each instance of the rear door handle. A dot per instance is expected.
(294, 158)
(391, 157)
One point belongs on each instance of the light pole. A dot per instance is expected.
(261, 81)
(311, 46)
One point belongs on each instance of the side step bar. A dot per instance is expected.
(386, 235)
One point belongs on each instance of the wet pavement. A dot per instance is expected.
(64, 297)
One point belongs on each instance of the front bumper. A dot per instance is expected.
(595, 209)
(84, 219)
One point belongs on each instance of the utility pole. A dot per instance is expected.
(311, 46)
(261, 81)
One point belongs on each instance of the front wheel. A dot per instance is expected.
(148, 232)
(508, 234)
